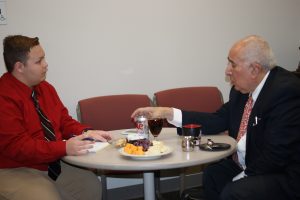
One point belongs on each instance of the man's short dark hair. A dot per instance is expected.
(16, 49)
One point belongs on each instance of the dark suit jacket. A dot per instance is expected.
(273, 143)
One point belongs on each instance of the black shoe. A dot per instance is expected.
(192, 194)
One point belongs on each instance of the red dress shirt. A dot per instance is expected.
(22, 142)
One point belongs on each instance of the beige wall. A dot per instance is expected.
(102, 47)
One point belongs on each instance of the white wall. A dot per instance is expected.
(102, 47)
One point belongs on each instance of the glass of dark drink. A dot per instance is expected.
(155, 126)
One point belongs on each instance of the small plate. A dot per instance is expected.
(215, 147)
(128, 131)
(146, 157)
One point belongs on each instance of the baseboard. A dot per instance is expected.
(167, 184)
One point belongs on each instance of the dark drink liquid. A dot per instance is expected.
(155, 126)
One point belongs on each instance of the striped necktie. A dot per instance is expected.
(244, 124)
(54, 168)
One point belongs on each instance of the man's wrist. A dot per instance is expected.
(176, 117)
(86, 130)
(168, 113)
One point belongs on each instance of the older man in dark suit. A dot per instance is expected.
(263, 114)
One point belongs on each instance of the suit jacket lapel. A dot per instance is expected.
(259, 107)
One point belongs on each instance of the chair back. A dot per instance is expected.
(201, 99)
(110, 112)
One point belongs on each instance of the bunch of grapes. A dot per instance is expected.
(145, 143)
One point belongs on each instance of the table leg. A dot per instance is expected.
(149, 190)
(182, 180)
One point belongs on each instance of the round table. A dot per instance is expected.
(110, 158)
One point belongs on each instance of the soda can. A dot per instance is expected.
(141, 123)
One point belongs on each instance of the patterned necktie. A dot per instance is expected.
(244, 124)
(245, 118)
(54, 168)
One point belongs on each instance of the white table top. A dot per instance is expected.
(109, 158)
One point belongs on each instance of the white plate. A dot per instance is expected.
(128, 131)
(146, 157)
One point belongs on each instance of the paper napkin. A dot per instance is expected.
(98, 146)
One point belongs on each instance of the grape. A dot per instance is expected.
(145, 143)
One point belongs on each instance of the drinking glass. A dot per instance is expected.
(155, 126)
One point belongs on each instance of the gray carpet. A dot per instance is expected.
(194, 193)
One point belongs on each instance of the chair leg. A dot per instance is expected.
(104, 186)
(157, 185)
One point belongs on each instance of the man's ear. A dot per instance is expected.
(19, 67)
(255, 69)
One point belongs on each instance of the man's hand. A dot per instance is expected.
(154, 112)
(98, 135)
(79, 146)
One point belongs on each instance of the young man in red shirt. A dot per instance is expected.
(26, 152)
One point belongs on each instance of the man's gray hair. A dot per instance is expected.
(256, 50)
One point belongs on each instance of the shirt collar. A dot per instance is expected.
(19, 84)
(257, 90)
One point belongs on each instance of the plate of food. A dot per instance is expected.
(157, 150)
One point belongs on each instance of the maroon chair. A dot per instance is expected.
(110, 113)
(201, 99)
(204, 99)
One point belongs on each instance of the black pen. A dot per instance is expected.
(85, 139)
(89, 139)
